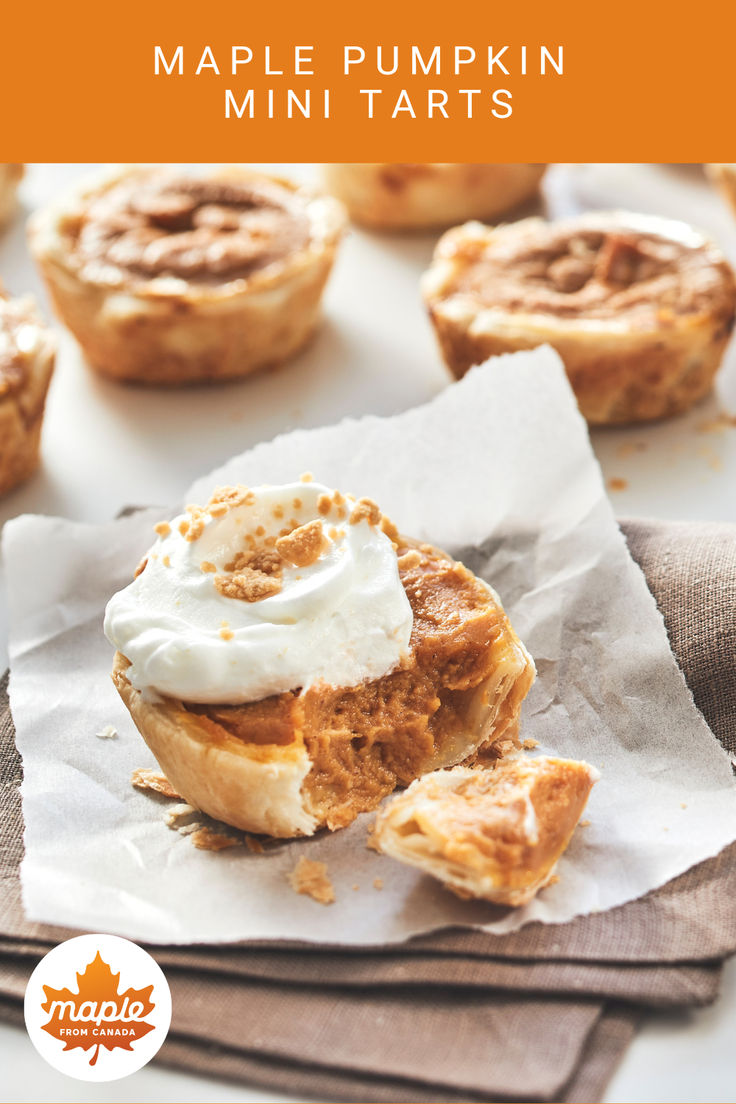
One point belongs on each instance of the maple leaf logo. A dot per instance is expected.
(97, 1015)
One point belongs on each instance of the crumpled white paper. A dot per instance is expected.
(498, 470)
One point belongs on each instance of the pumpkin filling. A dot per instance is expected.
(462, 675)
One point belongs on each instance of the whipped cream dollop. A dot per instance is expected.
(262, 591)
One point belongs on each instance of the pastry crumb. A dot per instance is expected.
(616, 483)
(356, 886)
(378, 883)
(109, 732)
(530, 743)
(162, 528)
(145, 778)
(630, 448)
(683, 804)
(583, 823)
(306, 477)
(713, 460)
(207, 567)
(177, 813)
(254, 845)
(310, 878)
(206, 839)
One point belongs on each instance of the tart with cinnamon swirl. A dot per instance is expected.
(639, 308)
(170, 278)
(394, 196)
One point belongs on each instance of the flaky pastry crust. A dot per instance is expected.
(495, 834)
(27, 352)
(416, 196)
(724, 177)
(167, 278)
(300, 761)
(11, 173)
(639, 308)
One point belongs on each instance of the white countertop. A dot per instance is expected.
(106, 446)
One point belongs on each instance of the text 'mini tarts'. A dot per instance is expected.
(395, 196)
(27, 353)
(166, 277)
(639, 308)
(290, 658)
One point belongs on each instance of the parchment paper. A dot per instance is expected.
(498, 470)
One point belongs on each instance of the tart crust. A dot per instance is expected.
(639, 308)
(724, 177)
(27, 352)
(495, 834)
(415, 196)
(180, 290)
(296, 762)
(11, 173)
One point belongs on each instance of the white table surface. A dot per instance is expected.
(106, 446)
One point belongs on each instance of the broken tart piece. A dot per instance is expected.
(495, 834)
(291, 659)
(639, 308)
(166, 277)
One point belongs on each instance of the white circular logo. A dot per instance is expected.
(97, 1007)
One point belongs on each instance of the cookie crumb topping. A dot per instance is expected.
(304, 545)
(365, 510)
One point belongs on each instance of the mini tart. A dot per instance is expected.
(494, 834)
(295, 762)
(169, 278)
(724, 177)
(414, 196)
(639, 308)
(11, 173)
(27, 351)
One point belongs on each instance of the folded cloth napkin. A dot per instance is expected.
(544, 1013)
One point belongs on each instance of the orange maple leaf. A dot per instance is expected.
(97, 1015)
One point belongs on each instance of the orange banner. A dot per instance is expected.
(166, 81)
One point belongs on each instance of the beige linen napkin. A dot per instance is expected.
(457, 1015)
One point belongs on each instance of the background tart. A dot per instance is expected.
(295, 762)
(27, 352)
(495, 834)
(724, 176)
(639, 308)
(170, 278)
(11, 173)
(414, 196)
